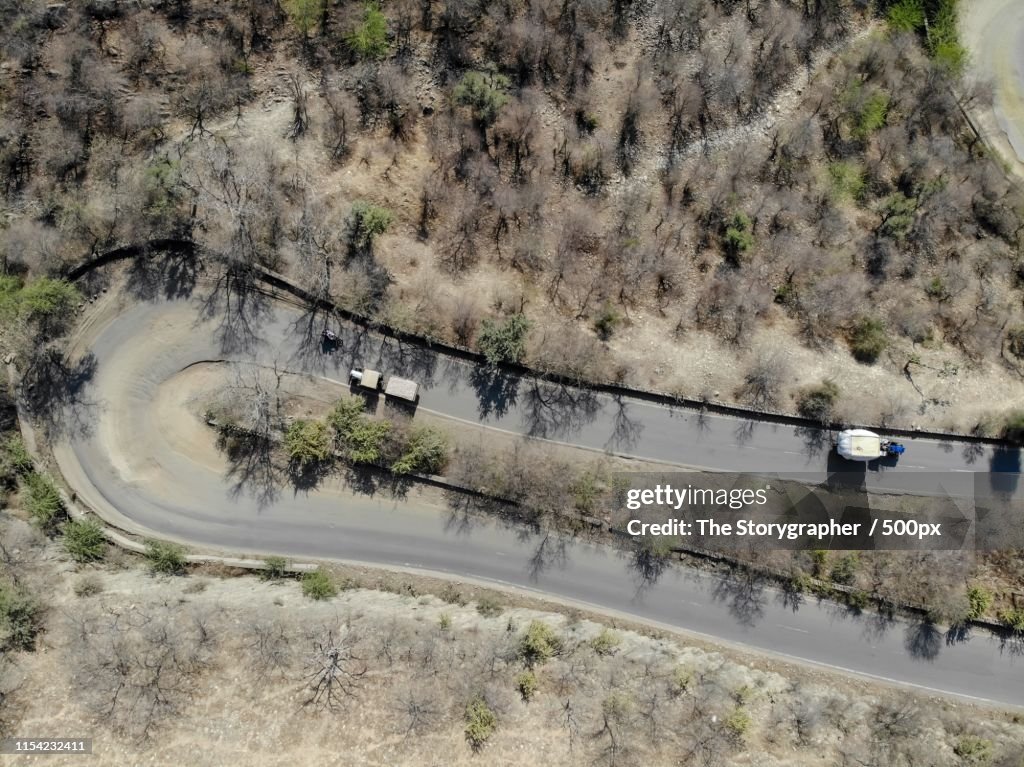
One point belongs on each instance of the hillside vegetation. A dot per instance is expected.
(643, 182)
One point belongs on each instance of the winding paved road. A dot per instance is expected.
(121, 459)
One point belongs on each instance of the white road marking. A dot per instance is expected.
(793, 628)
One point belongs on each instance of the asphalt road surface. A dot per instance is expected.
(120, 458)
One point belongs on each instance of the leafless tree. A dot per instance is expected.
(340, 123)
(763, 380)
(300, 106)
(418, 709)
(134, 668)
(211, 86)
(333, 671)
(270, 643)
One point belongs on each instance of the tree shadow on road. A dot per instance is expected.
(312, 351)
(496, 391)
(550, 552)
(372, 481)
(744, 432)
(626, 431)
(647, 560)
(307, 477)
(1012, 643)
(556, 411)
(239, 308)
(466, 510)
(54, 391)
(958, 633)
(743, 591)
(791, 597)
(409, 360)
(170, 274)
(252, 468)
(923, 640)
(815, 438)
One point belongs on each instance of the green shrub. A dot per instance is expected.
(489, 607)
(274, 568)
(738, 237)
(346, 413)
(682, 678)
(539, 644)
(481, 722)
(319, 584)
(585, 490)
(360, 436)
(936, 288)
(871, 115)
(944, 38)
(906, 16)
(307, 443)
(20, 618)
(847, 179)
(526, 684)
(84, 540)
(15, 460)
(425, 453)
(365, 442)
(950, 55)
(444, 622)
(844, 571)
(484, 93)
(818, 402)
(973, 750)
(897, 215)
(743, 694)
(304, 14)
(738, 722)
(1013, 427)
(165, 557)
(858, 599)
(42, 501)
(868, 339)
(451, 594)
(1013, 619)
(46, 303)
(819, 558)
(606, 642)
(617, 706)
(979, 600)
(587, 122)
(365, 223)
(369, 39)
(607, 321)
(503, 341)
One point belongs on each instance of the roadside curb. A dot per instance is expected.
(77, 510)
